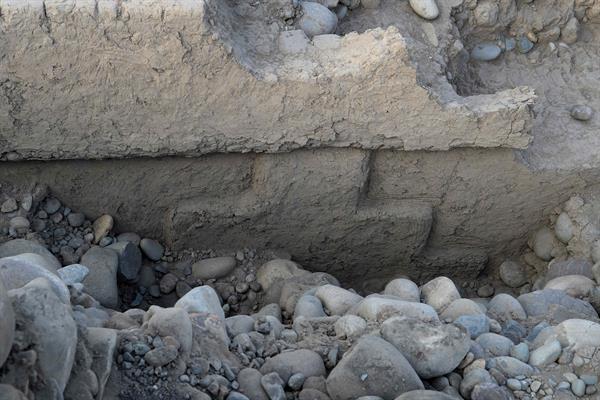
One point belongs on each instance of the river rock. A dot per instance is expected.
(173, 322)
(48, 323)
(546, 354)
(201, 299)
(9, 392)
(102, 226)
(490, 391)
(474, 377)
(377, 308)
(512, 274)
(563, 227)
(439, 293)
(475, 325)
(424, 395)
(239, 324)
(74, 273)
(213, 268)
(303, 361)
(102, 343)
(543, 242)
(350, 326)
(310, 307)
(460, 307)
(130, 259)
(129, 237)
(404, 289)
(582, 112)
(161, 356)
(298, 286)
(494, 344)
(510, 366)
(432, 350)
(152, 249)
(272, 276)
(571, 266)
(18, 271)
(504, 307)
(578, 333)
(249, 380)
(7, 327)
(316, 19)
(574, 285)
(555, 306)
(336, 299)
(21, 246)
(101, 282)
(273, 385)
(427, 9)
(372, 367)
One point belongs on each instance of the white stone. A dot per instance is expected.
(201, 299)
(336, 299)
(427, 9)
(404, 289)
(439, 293)
(564, 228)
(578, 333)
(543, 242)
(573, 285)
(545, 354)
(350, 326)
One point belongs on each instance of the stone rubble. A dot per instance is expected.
(256, 325)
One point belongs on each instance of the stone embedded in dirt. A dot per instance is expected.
(272, 276)
(18, 271)
(512, 274)
(427, 9)
(49, 326)
(486, 52)
(130, 259)
(213, 268)
(336, 299)
(102, 226)
(439, 293)
(152, 249)
(432, 350)
(173, 322)
(543, 243)
(563, 227)
(370, 3)
(76, 219)
(404, 289)
(52, 205)
(524, 44)
(7, 327)
(102, 343)
(582, 112)
(316, 19)
(303, 361)
(372, 367)
(570, 32)
(201, 299)
(101, 282)
(293, 42)
(19, 246)
(574, 285)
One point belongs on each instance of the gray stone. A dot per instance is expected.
(76, 219)
(571, 266)
(129, 237)
(460, 307)
(7, 327)
(102, 343)
(17, 271)
(101, 282)
(574, 285)
(173, 322)
(312, 394)
(439, 293)
(152, 249)
(555, 306)
(504, 307)
(350, 326)
(130, 259)
(578, 387)
(474, 324)
(490, 391)
(293, 42)
(74, 273)
(494, 344)
(249, 380)
(316, 19)
(8, 392)
(273, 385)
(582, 112)
(510, 367)
(201, 299)
(372, 367)
(9, 205)
(422, 395)
(310, 307)
(377, 308)
(432, 350)
(485, 52)
(404, 289)
(296, 381)
(48, 323)
(543, 242)
(20, 246)
(545, 354)
(52, 205)
(563, 228)
(520, 352)
(168, 283)
(303, 361)
(474, 377)
(213, 268)
(161, 356)
(239, 324)
(512, 274)
(524, 45)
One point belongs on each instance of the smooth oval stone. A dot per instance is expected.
(427, 9)
(582, 112)
(486, 52)
(510, 44)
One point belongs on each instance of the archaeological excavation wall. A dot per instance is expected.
(398, 146)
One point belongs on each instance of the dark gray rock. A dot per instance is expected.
(101, 282)
(152, 249)
(130, 259)
(249, 380)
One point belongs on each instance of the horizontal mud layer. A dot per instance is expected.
(117, 79)
(363, 216)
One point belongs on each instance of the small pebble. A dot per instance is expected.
(582, 112)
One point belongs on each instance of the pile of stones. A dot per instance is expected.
(242, 326)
